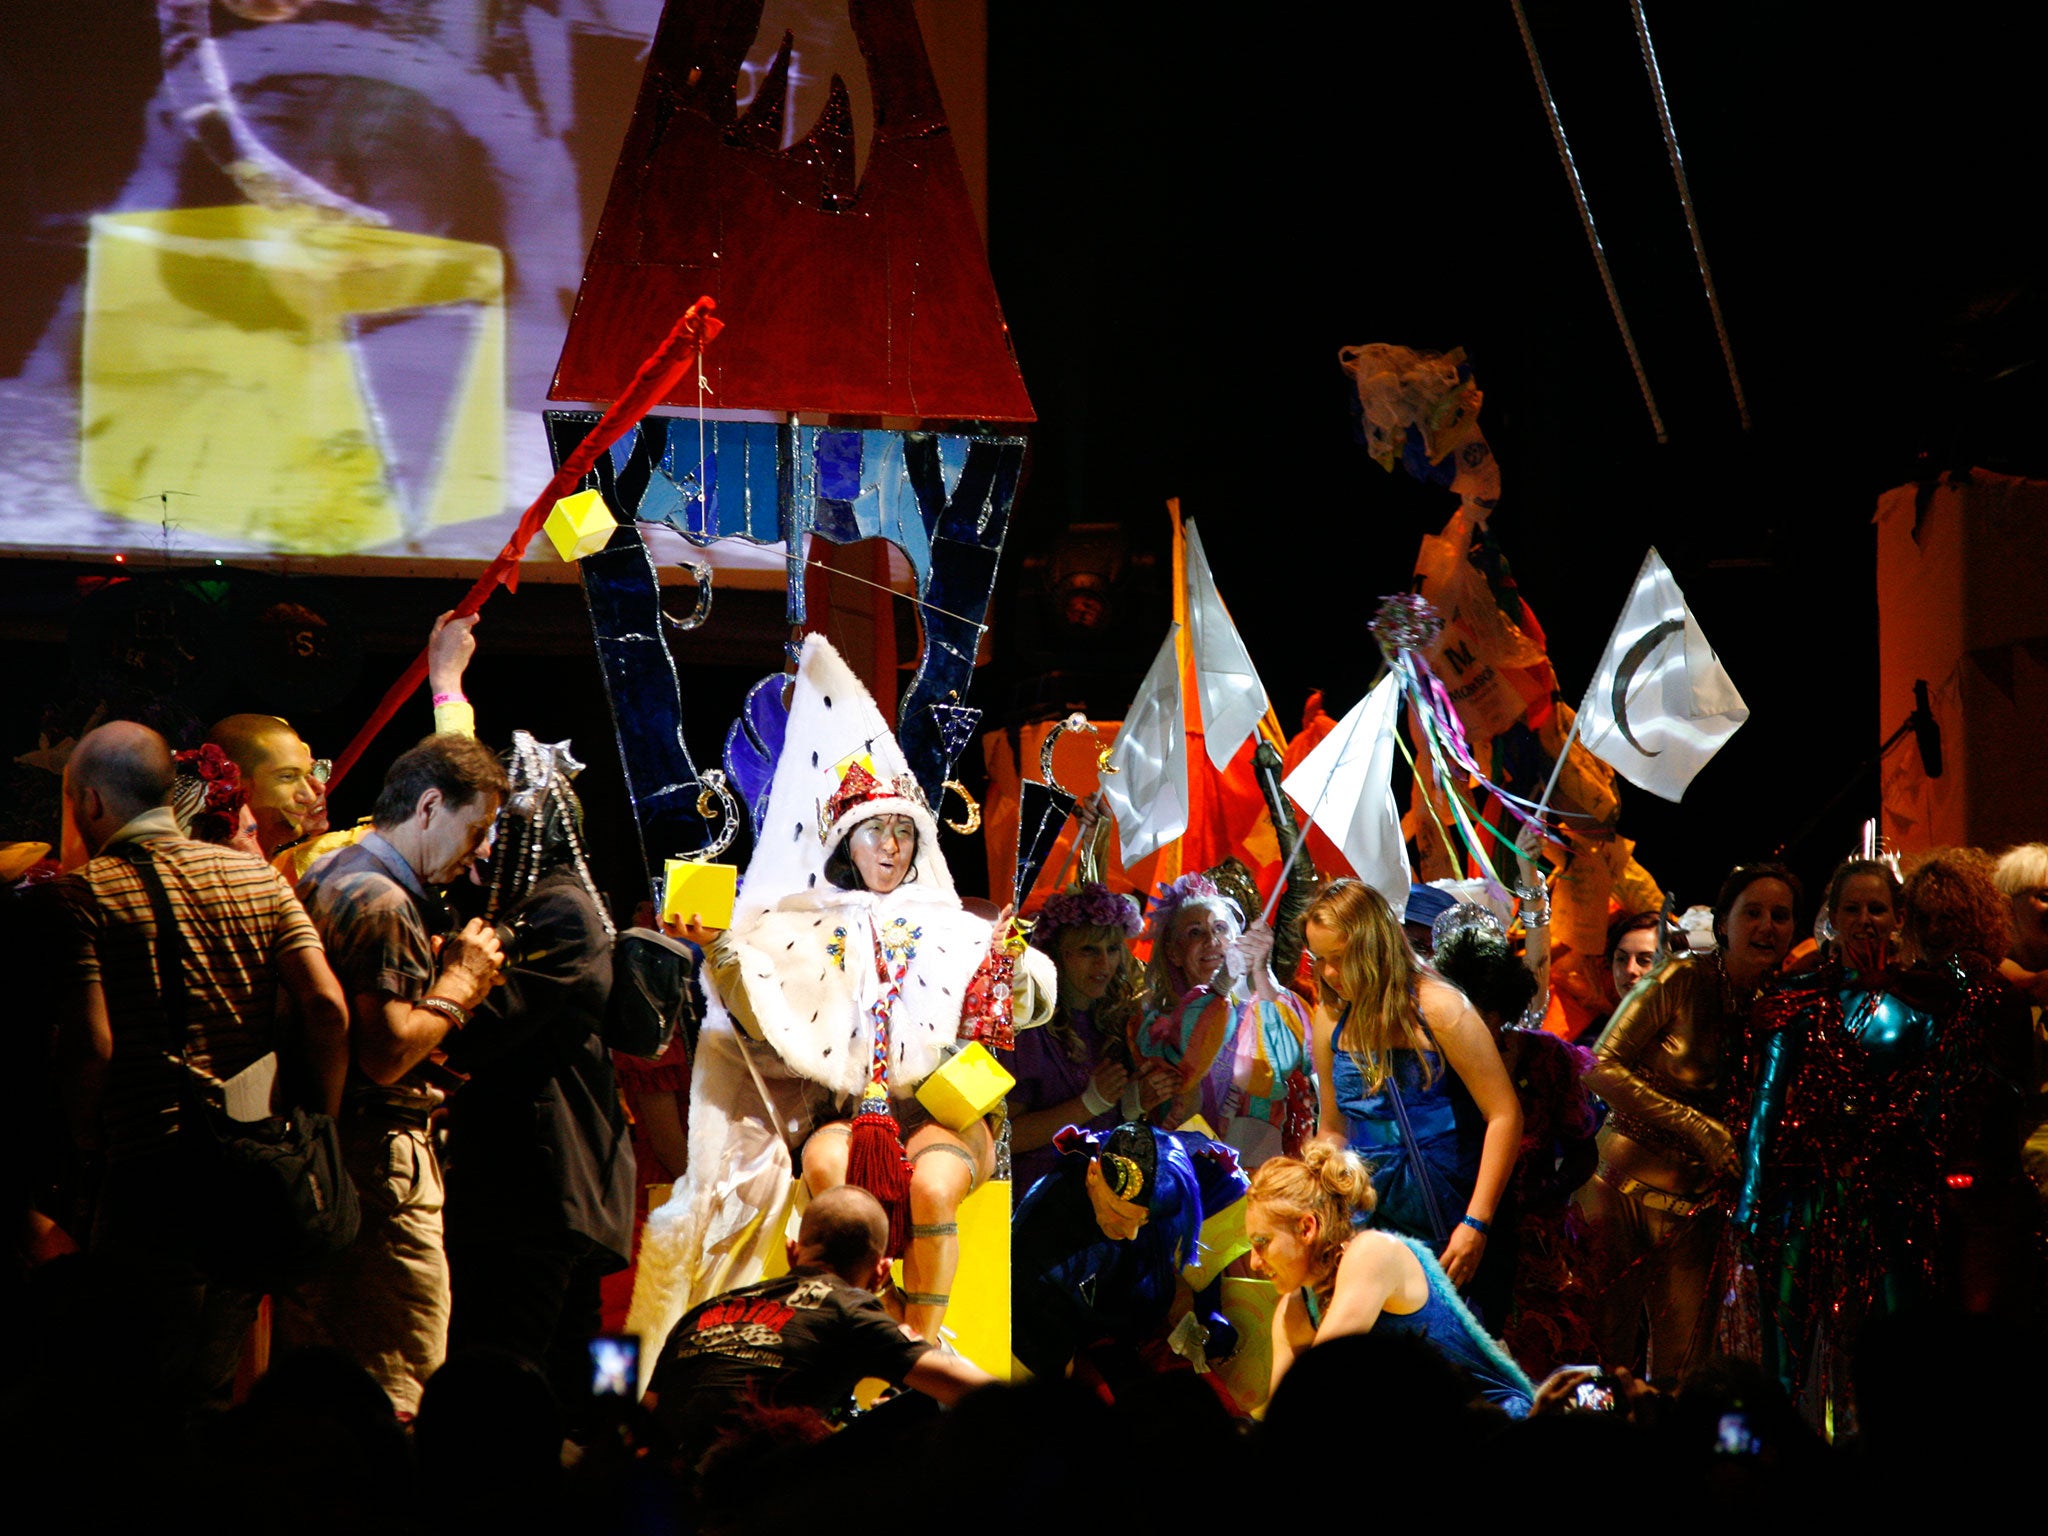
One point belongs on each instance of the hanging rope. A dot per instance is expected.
(1571, 171)
(880, 586)
(1692, 222)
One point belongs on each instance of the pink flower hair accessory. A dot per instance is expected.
(1171, 898)
(219, 778)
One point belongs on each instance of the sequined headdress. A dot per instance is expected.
(540, 825)
(1171, 898)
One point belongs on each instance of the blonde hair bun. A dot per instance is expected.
(1343, 1176)
(1332, 1184)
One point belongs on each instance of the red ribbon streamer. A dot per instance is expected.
(657, 378)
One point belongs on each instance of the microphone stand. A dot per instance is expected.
(1920, 723)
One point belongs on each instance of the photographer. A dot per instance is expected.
(385, 1301)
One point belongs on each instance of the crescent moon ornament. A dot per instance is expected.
(972, 823)
(701, 574)
(1645, 646)
(1074, 722)
(714, 797)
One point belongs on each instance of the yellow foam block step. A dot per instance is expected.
(691, 887)
(1221, 1241)
(978, 1320)
(1249, 1304)
(234, 355)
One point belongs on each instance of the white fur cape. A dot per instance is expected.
(809, 970)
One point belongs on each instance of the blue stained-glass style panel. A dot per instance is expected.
(942, 498)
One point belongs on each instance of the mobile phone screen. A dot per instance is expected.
(1733, 1437)
(615, 1365)
(1596, 1396)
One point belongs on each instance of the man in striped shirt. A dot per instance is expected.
(255, 981)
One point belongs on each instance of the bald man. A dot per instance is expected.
(286, 787)
(801, 1340)
(128, 1063)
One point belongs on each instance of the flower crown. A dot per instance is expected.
(859, 787)
(1171, 898)
(1092, 905)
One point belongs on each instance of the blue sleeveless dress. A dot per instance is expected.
(1418, 1196)
(1444, 1323)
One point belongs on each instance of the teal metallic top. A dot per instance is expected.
(1884, 1029)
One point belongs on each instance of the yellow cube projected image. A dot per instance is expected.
(309, 386)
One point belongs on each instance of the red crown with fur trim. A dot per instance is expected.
(858, 788)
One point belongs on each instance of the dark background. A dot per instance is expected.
(1185, 239)
(1192, 208)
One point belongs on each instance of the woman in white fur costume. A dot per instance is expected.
(851, 973)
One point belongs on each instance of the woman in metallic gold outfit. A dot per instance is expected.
(1675, 1067)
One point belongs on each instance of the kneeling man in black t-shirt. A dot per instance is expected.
(801, 1340)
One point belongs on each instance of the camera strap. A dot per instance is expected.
(168, 952)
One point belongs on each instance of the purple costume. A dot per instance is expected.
(1047, 1075)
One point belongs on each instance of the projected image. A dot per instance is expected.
(294, 273)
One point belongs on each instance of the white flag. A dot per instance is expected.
(1346, 787)
(1661, 704)
(1148, 792)
(1233, 698)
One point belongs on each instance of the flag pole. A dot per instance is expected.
(1557, 768)
(1294, 853)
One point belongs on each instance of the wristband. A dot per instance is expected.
(458, 697)
(1094, 1102)
(447, 1007)
(455, 718)
(1483, 1228)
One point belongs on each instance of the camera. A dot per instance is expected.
(1596, 1395)
(511, 939)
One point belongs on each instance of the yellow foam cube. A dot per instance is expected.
(580, 525)
(230, 354)
(965, 1088)
(691, 886)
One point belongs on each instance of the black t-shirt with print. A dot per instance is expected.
(799, 1340)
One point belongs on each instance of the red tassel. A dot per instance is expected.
(875, 1162)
